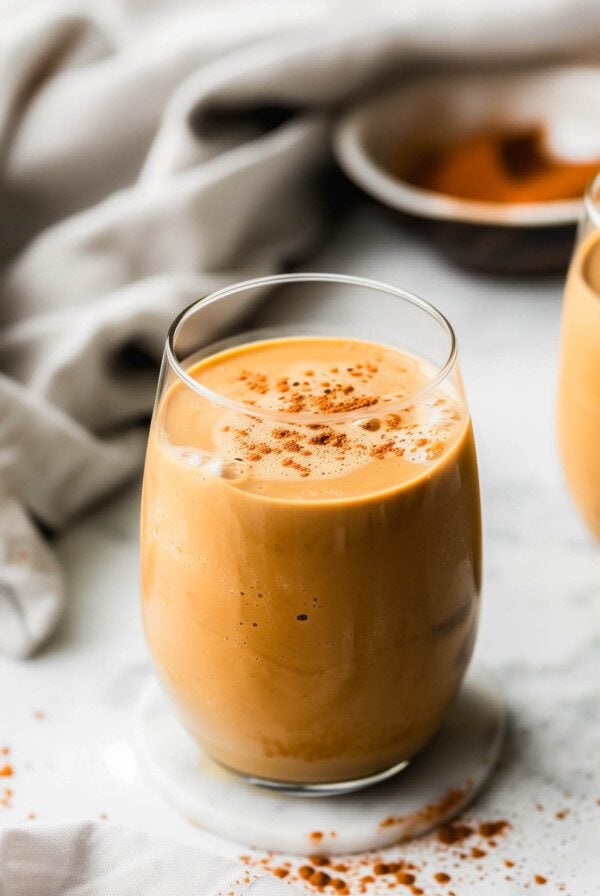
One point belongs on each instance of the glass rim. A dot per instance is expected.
(591, 203)
(308, 277)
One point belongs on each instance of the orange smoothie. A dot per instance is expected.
(311, 581)
(579, 382)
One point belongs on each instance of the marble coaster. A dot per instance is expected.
(434, 787)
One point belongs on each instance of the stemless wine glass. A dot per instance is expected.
(579, 375)
(311, 534)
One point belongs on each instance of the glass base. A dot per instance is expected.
(336, 788)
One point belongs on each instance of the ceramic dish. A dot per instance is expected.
(376, 142)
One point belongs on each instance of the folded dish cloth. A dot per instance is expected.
(149, 153)
(99, 860)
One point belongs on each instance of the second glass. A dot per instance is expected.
(311, 536)
(579, 374)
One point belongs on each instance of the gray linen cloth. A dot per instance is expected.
(92, 859)
(151, 151)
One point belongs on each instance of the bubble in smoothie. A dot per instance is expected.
(191, 457)
(228, 469)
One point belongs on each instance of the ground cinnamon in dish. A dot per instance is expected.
(512, 165)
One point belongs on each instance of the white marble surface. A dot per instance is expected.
(540, 629)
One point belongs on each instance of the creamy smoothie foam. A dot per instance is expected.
(311, 586)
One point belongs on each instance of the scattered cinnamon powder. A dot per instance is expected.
(453, 833)
(434, 812)
(381, 868)
(288, 462)
(326, 405)
(539, 879)
(371, 874)
(493, 828)
(319, 879)
(371, 425)
(393, 422)
(330, 438)
(256, 382)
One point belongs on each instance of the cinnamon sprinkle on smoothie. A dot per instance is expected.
(273, 379)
